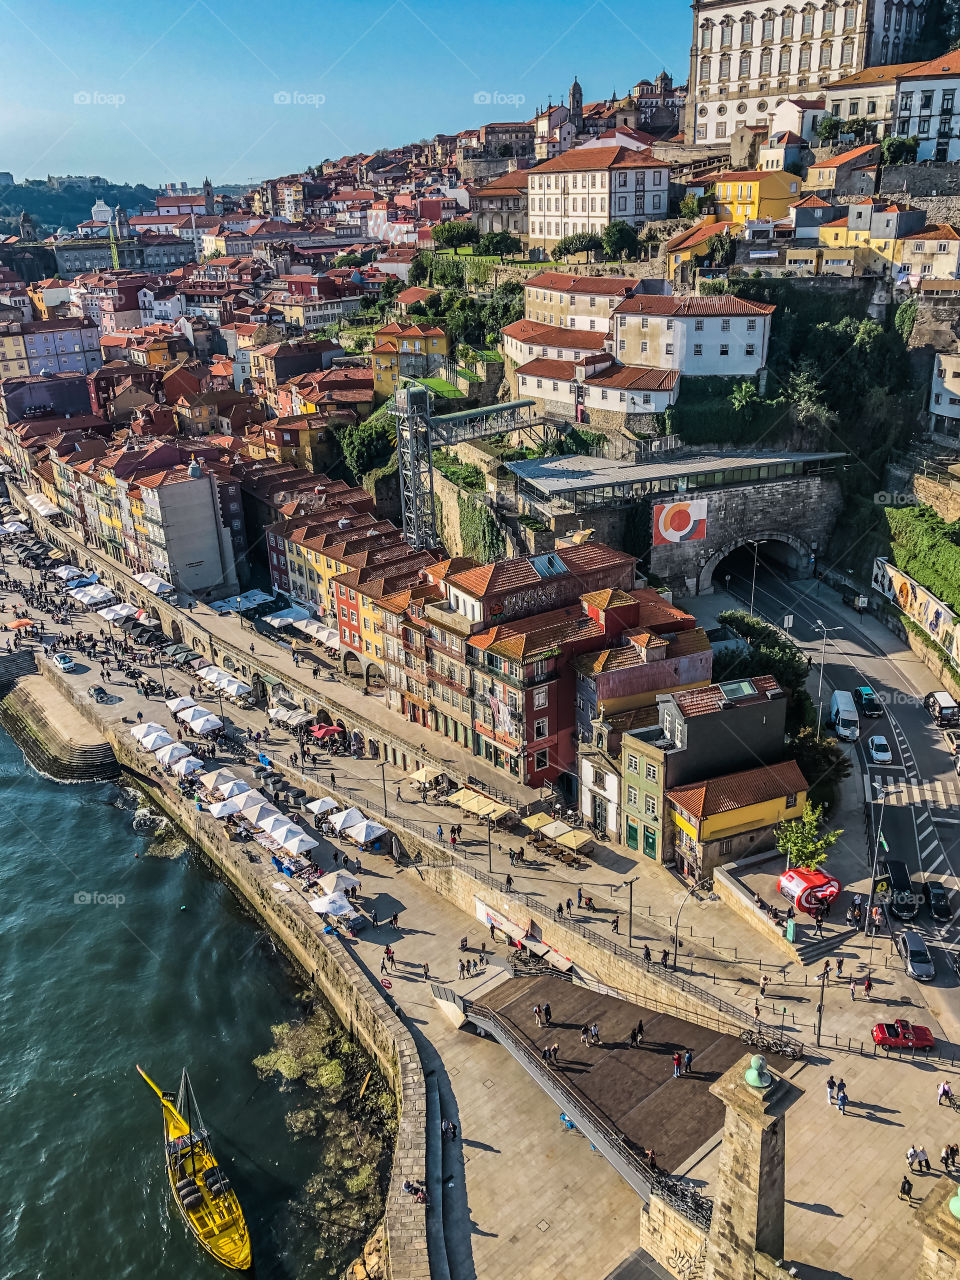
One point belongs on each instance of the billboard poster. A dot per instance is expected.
(679, 522)
(937, 620)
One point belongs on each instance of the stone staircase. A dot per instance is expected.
(811, 949)
(33, 725)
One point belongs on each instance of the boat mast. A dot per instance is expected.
(193, 1152)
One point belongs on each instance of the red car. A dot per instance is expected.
(902, 1035)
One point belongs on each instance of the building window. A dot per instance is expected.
(540, 728)
(650, 806)
(632, 796)
(632, 763)
(724, 350)
(725, 326)
(540, 761)
(698, 348)
(651, 772)
(540, 697)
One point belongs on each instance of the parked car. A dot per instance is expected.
(937, 899)
(879, 749)
(98, 693)
(867, 701)
(902, 1035)
(952, 738)
(64, 662)
(916, 958)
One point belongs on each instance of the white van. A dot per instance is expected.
(843, 713)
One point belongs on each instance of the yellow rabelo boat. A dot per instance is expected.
(201, 1189)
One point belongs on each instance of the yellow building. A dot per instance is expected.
(876, 237)
(688, 247)
(745, 195)
(13, 351)
(406, 350)
(724, 818)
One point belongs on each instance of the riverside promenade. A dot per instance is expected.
(520, 1192)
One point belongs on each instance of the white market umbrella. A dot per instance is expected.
(332, 904)
(298, 841)
(235, 688)
(175, 751)
(206, 725)
(216, 778)
(271, 824)
(338, 882)
(140, 731)
(365, 831)
(224, 808)
(326, 804)
(190, 765)
(235, 787)
(154, 741)
(180, 704)
(192, 713)
(250, 798)
(258, 813)
(349, 818)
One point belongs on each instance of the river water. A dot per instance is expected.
(172, 975)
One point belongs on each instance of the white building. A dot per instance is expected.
(586, 189)
(716, 335)
(746, 59)
(597, 382)
(928, 107)
(578, 302)
(945, 395)
(868, 95)
(525, 339)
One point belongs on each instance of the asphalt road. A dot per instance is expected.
(921, 809)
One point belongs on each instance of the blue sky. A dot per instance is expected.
(168, 90)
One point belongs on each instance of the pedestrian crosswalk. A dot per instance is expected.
(940, 794)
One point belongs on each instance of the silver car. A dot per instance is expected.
(916, 958)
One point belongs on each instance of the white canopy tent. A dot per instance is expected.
(298, 841)
(153, 583)
(287, 616)
(365, 831)
(190, 715)
(224, 808)
(235, 688)
(180, 704)
(326, 804)
(16, 526)
(115, 612)
(140, 731)
(249, 799)
(216, 778)
(154, 741)
(338, 881)
(235, 787)
(189, 764)
(41, 505)
(67, 571)
(348, 818)
(208, 724)
(332, 904)
(175, 751)
(256, 813)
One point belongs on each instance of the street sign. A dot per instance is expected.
(788, 622)
(881, 884)
(862, 602)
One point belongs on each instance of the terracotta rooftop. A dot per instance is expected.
(723, 304)
(739, 790)
(845, 157)
(701, 702)
(565, 283)
(552, 335)
(624, 377)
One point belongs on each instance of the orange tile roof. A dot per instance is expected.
(739, 790)
(623, 376)
(699, 234)
(872, 76)
(722, 304)
(947, 64)
(552, 335)
(522, 639)
(845, 157)
(565, 283)
(700, 702)
(938, 231)
(580, 158)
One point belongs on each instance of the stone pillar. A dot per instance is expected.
(940, 1255)
(748, 1201)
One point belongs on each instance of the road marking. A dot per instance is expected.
(948, 822)
(933, 865)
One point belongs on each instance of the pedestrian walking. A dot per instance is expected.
(453, 839)
(426, 971)
(333, 779)
(460, 969)
(906, 1189)
(383, 964)
(538, 1015)
(954, 1154)
(616, 924)
(839, 966)
(646, 954)
(842, 1101)
(584, 1032)
(640, 1032)
(944, 1091)
(395, 920)
(923, 1160)
(508, 884)
(688, 1061)
(373, 918)
(595, 1034)
(664, 957)
(867, 986)
(555, 1052)
(763, 986)
(393, 961)
(398, 795)
(559, 911)
(547, 1013)
(819, 925)
(945, 1158)
(756, 1009)
(579, 899)
(911, 1156)
(569, 905)
(831, 1086)
(439, 831)
(853, 988)
(633, 1037)
(676, 1063)
(545, 1054)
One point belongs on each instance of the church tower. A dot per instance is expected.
(207, 196)
(576, 106)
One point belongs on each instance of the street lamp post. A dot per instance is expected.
(882, 793)
(489, 848)
(753, 582)
(700, 884)
(630, 883)
(382, 766)
(823, 654)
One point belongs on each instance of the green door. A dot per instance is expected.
(633, 834)
(649, 842)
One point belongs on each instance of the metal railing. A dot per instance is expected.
(644, 1179)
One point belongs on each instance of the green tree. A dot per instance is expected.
(895, 150)
(690, 206)
(829, 128)
(348, 260)
(804, 840)
(619, 241)
(366, 444)
(823, 762)
(745, 397)
(859, 126)
(500, 243)
(454, 235)
(582, 242)
(721, 248)
(419, 269)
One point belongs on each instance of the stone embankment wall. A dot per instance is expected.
(47, 729)
(357, 1000)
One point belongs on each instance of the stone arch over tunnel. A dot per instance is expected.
(794, 553)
